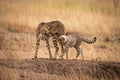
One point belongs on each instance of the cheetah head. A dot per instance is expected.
(63, 38)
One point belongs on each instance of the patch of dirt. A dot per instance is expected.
(94, 69)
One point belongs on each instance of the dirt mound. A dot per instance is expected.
(94, 69)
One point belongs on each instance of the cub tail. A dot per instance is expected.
(90, 41)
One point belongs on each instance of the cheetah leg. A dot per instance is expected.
(65, 51)
(79, 50)
(48, 47)
(62, 56)
(37, 47)
(62, 51)
(54, 38)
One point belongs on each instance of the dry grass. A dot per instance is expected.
(19, 19)
(28, 69)
(30, 75)
(79, 14)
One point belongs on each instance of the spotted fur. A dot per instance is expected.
(46, 30)
(73, 40)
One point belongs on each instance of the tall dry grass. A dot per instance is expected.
(90, 18)
(96, 16)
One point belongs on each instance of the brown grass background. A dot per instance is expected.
(100, 18)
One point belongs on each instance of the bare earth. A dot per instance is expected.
(92, 69)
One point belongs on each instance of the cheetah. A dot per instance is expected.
(46, 30)
(73, 40)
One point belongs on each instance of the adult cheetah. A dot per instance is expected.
(46, 30)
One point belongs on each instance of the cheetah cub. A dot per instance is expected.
(73, 40)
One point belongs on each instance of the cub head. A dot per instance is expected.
(63, 39)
